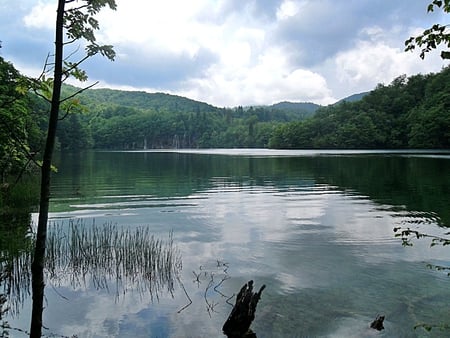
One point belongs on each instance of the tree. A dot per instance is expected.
(78, 23)
(431, 121)
(73, 134)
(14, 114)
(433, 36)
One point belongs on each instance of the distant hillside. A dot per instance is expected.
(117, 119)
(180, 104)
(280, 112)
(409, 113)
(353, 98)
(142, 100)
(302, 108)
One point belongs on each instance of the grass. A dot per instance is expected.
(109, 255)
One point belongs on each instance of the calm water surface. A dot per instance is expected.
(315, 227)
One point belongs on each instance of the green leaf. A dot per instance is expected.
(445, 55)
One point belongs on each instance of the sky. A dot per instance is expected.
(236, 52)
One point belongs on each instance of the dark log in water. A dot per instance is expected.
(243, 312)
(377, 324)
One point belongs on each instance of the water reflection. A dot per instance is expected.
(414, 183)
(15, 258)
(317, 230)
(113, 258)
(82, 256)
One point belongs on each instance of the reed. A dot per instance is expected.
(109, 255)
(16, 245)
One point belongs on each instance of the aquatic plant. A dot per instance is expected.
(15, 257)
(108, 257)
(112, 255)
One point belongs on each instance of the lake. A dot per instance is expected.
(316, 227)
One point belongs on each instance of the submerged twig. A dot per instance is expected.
(187, 295)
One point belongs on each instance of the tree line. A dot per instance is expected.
(115, 119)
(410, 112)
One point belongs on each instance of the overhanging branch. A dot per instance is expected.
(79, 91)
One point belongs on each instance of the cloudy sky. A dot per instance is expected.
(237, 52)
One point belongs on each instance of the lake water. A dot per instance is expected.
(315, 227)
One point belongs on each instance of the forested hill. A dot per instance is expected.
(353, 98)
(116, 119)
(179, 104)
(94, 98)
(304, 109)
(411, 112)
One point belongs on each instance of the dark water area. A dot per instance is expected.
(315, 227)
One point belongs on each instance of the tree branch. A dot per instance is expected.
(79, 91)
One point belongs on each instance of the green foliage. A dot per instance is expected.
(114, 119)
(302, 109)
(18, 128)
(80, 24)
(72, 134)
(409, 113)
(23, 195)
(434, 36)
(407, 236)
(98, 99)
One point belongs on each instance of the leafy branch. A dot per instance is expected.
(429, 327)
(434, 36)
(407, 235)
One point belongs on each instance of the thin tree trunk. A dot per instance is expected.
(37, 267)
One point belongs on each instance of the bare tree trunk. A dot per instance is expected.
(37, 267)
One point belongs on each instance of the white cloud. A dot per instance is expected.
(230, 53)
(370, 63)
(377, 62)
(168, 25)
(41, 15)
(288, 9)
(268, 80)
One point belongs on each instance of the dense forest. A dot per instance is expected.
(411, 112)
(408, 113)
(21, 126)
(115, 119)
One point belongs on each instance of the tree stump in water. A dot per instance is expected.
(377, 324)
(243, 312)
